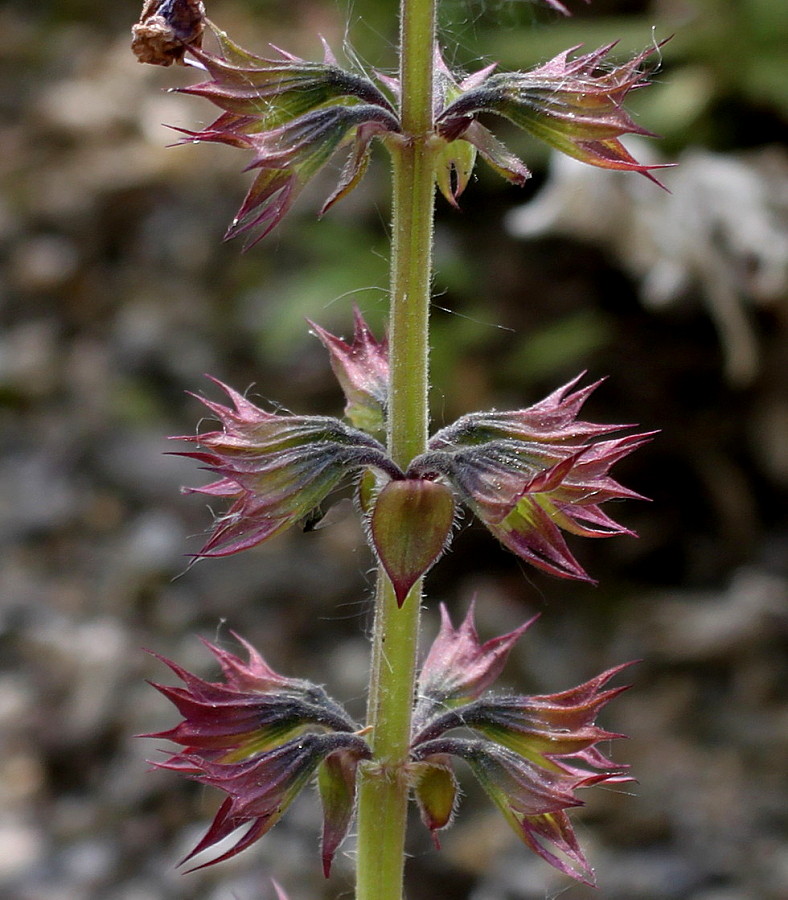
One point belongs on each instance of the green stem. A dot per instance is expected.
(383, 788)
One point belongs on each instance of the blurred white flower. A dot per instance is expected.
(723, 230)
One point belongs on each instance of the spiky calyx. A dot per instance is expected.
(261, 738)
(529, 754)
(293, 115)
(528, 474)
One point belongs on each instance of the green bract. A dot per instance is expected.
(410, 527)
(436, 792)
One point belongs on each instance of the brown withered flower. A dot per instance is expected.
(165, 29)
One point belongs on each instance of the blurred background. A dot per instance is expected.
(117, 295)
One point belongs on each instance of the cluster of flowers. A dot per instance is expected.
(294, 115)
(261, 737)
(527, 474)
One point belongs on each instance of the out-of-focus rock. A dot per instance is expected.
(722, 229)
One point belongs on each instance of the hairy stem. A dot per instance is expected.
(383, 788)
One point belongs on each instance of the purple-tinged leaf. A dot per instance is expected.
(290, 154)
(552, 420)
(495, 154)
(531, 754)
(273, 91)
(555, 731)
(253, 675)
(516, 785)
(555, 828)
(356, 164)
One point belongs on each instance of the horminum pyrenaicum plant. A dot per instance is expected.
(530, 475)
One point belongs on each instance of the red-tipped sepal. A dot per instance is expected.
(260, 789)
(253, 710)
(530, 753)
(291, 114)
(362, 370)
(260, 737)
(574, 105)
(555, 731)
(529, 797)
(458, 667)
(531, 473)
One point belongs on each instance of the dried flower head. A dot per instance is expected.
(165, 29)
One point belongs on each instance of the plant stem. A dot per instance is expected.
(383, 787)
